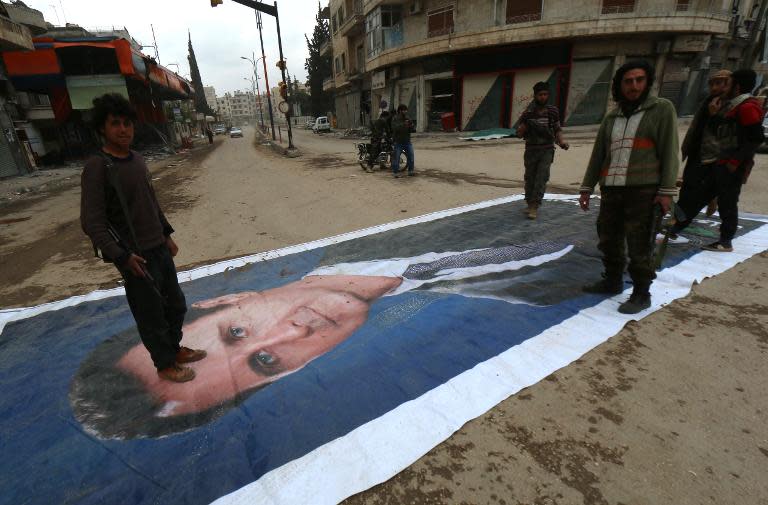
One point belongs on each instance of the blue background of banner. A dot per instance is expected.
(47, 457)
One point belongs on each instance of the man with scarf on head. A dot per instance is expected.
(700, 147)
(739, 132)
(540, 126)
(635, 160)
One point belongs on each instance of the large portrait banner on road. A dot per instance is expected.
(331, 365)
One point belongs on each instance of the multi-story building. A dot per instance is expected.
(18, 23)
(210, 96)
(238, 108)
(479, 59)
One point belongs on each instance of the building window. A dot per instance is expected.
(618, 6)
(523, 11)
(338, 66)
(383, 29)
(440, 21)
(343, 62)
(682, 5)
(333, 24)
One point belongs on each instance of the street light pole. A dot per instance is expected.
(253, 93)
(253, 61)
(282, 72)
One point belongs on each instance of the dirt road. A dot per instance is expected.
(672, 410)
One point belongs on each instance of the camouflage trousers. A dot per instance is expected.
(625, 224)
(537, 163)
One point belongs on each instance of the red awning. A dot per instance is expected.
(37, 62)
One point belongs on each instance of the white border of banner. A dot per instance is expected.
(379, 449)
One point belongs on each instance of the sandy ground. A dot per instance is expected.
(672, 410)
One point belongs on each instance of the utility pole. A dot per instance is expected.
(154, 41)
(266, 76)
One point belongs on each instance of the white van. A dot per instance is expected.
(322, 125)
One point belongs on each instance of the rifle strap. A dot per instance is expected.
(114, 180)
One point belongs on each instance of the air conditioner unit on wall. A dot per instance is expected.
(414, 7)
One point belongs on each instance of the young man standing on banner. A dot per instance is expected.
(540, 126)
(120, 213)
(739, 131)
(635, 160)
(700, 145)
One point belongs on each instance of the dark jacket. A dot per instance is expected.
(401, 130)
(701, 138)
(380, 128)
(100, 207)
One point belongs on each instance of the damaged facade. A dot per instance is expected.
(56, 78)
(474, 63)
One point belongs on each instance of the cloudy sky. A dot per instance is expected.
(220, 35)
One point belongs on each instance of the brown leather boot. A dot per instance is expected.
(177, 373)
(533, 211)
(187, 355)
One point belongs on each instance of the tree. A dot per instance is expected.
(201, 104)
(318, 66)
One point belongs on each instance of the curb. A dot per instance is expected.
(277, 147)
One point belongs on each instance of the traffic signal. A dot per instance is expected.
(283, 90)
(281, 64)
(214, 3)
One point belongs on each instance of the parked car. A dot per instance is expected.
(220, 130)
(235, 132)
(309, 124)
(321, 125)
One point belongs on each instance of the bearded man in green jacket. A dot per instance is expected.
(636, 163)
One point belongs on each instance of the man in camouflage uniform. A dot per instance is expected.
(540, 126)
(635, 160)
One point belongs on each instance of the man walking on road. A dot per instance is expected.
(120, 213)
(635, 160)
(401, 136)
(700, 146)
(540, 126)
(739, 132)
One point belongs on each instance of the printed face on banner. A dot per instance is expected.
(254, 338)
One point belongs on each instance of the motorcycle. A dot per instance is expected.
(382, 158)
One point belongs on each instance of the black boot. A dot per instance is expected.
(605, 286)
(638, 302)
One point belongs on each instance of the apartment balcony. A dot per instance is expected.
(14, 37)
(356, 74)
(327, 48)
(355, 22)
(369, 5)
(555, 24)
(329, 83)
